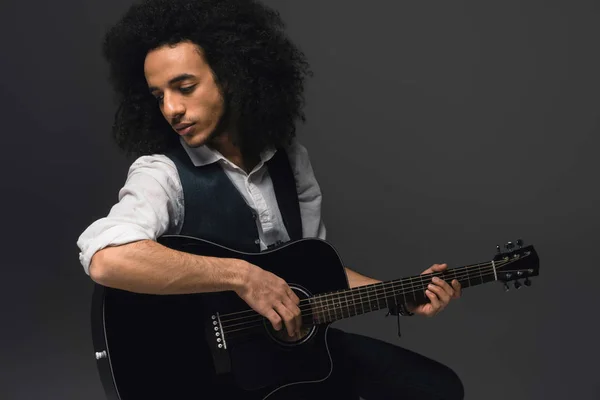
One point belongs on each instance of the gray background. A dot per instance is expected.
(436, 129)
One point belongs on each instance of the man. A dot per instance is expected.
(209, 94)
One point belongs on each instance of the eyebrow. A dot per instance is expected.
(178, 78)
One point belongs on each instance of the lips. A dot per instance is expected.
(180, 127)
(183, 129)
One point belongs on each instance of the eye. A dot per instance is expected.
(187, 89)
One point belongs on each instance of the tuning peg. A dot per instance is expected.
(517, 285)
(509, 246)
(506, 287)
(520, 243)
(527, 282)
(498, 249)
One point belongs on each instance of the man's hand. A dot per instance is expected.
(439, 293)
(271, 297)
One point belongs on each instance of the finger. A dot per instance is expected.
(296, 310)
(442, 295)
(444, 285)
(457, 289)
(291, 305)
(435, 302)
(288, 318)
(274, 318)
(439, 267)
(293, 296)
(435, 268)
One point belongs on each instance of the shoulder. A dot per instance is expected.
(153, 162)
(156, 167)
(298, 156)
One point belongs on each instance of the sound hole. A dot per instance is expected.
(306, 330)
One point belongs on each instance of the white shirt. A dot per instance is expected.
(150, 203)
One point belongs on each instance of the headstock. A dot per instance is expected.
(516, 262)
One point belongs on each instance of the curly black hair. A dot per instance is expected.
(244, 44)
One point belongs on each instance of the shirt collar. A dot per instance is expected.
(205, 155)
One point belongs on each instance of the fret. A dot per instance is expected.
(468, 276)
(361, 298)
(321, 312)
(480, 275)
(367, 292)
(412, 287)
(339, 309)
(451, 275)
(401, 291)
(373, 295)
(396, 295)
(313, 310)
(358, 304)
(369, 307)
(373, 291)
(385, 295)
(330, 308)
(353, 302)
(381, 298)
(333, 307)
(325, 308)
(347, 306)
(368, 298)
(404, 290)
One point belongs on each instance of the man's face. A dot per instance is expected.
(184, 86)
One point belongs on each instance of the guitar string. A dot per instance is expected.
(226, 323)
(457, 273)
(321, 310)
(364, 293)
(259, 323)
(400, 282)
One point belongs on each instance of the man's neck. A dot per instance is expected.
(224, 145)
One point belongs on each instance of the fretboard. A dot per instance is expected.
(329, 307)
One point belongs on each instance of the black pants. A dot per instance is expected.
(377, 370)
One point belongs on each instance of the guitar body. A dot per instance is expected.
(168, 347)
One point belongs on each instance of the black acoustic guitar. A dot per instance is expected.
(214, 346)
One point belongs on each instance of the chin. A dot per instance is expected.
(196, 139)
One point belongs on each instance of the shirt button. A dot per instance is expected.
(257, 241)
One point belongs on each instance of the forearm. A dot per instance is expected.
(355, 279)
(149, 267)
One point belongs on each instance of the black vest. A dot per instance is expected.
(216, 211)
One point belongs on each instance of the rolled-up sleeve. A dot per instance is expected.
(150, 203)
(309, 192)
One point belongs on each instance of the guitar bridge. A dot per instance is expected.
(215, 337)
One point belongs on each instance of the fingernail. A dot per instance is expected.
(436, 279)
(430, 286)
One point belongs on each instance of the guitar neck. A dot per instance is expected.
(329, 307)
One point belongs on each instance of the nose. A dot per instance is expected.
(173, 107)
